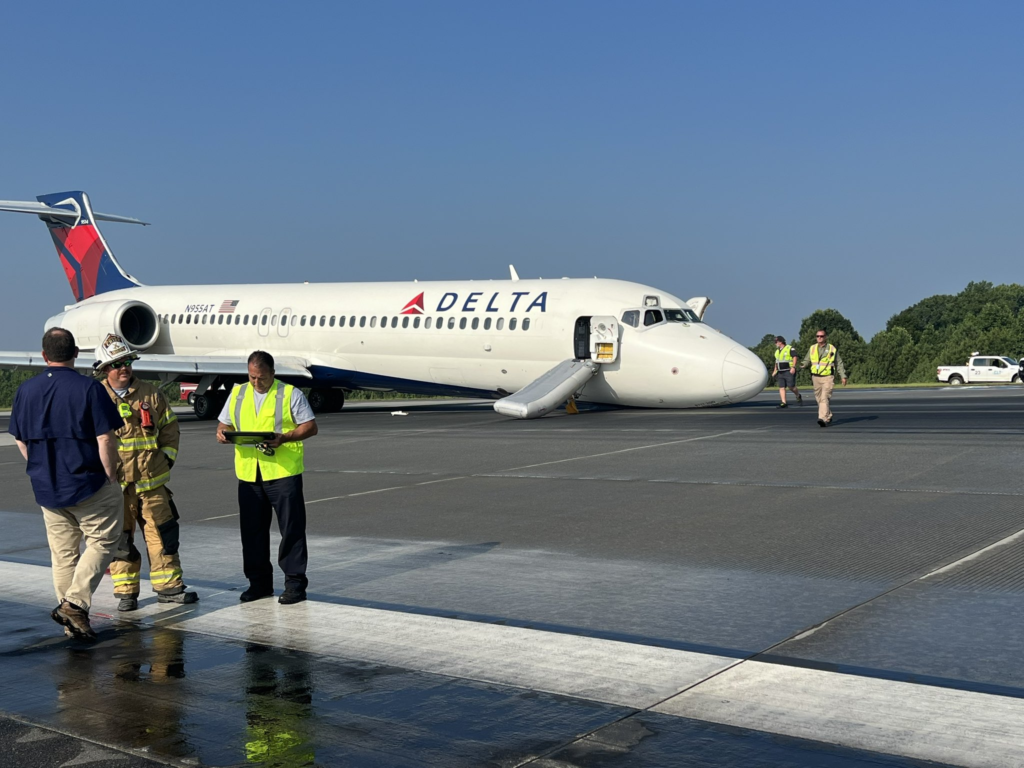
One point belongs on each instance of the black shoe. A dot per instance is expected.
(182, 597)
(799, 400)
(255, 594)
(289, 597)
(822, 423)
(783, 405)
(128, 603)
(74, 618)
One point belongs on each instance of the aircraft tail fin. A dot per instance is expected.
(87, 260)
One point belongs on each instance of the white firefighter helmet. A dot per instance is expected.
(112, 350)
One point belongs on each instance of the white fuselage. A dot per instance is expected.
(488, 337)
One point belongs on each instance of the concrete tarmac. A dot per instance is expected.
(734, 586)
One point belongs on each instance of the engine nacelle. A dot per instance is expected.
(133, 321)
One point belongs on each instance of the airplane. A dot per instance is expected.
(531, 345)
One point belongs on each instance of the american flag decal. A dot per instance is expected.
(229, 306)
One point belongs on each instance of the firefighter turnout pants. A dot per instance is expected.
(152, 511)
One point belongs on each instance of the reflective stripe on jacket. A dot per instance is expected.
(144, 453)
(822, 366)
(275, 415)
(784, 358)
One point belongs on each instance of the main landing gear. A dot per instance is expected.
(323, 400)
(208, 405)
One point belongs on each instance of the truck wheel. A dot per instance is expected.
(191, 398)
(955, 380)
(1015, 379)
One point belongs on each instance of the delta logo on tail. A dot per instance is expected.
(414, 307)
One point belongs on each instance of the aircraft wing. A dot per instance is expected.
(178, 366)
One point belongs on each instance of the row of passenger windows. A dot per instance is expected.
(349, 321)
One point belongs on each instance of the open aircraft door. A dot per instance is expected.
(699, 305)
(595, 343)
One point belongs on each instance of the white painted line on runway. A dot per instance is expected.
(628, 450)
(975, 555)
(217, 517)
(890, 717)
(381, 490)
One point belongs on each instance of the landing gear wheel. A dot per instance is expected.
(204, 407)
(192, 398)
(207, 407)
(324, 400)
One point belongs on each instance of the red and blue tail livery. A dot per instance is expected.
(90, 267)
(88, 263)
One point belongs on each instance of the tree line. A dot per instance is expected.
(939, 330)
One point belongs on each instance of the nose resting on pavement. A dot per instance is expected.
(743, 374)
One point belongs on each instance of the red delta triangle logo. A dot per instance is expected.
(414, 307)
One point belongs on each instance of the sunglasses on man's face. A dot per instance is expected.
(122, 364)
(820, 336)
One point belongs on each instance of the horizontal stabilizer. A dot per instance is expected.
(63, 214)
(549, 391)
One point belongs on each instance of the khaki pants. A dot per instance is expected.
(155, 514)
(98, 520)
(823, 394)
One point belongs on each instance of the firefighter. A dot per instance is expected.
(148, 448)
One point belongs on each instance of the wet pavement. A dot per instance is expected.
(719, 588)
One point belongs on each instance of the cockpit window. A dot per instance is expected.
(631, 317)
(653, 317)
(681, 316)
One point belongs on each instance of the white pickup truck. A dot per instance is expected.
(981, 369)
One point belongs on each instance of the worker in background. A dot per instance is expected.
(824, 361)
(270, 477)
(147, 448)
(785, 371)
(63, 424)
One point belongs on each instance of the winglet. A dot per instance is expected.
(513, 273)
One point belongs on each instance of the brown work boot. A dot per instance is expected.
(74, 618)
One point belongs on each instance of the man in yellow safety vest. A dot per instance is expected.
(824, 361)
(270, 477)
(785, 371)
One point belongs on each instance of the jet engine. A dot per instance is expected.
(133, 321)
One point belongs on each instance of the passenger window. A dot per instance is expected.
(394, 321)
(462, 324)
(302, 321)
(362, 321)
(238, 319)
(352, 322)
(451, 323)
(476, 323)
(273, 320)
(245, 319)
(323, 320)
(405, 322)
(341, 321)
(188, 319)
(500, 324)
(204, 319)
(373, 321)
(416, 322)
(487, 323)
(652, 317)
(426, 323)
(331, 322)
(526, 323)
(999, 363)
(512, 324)
(264, 320)
(631, 317)
(384, 322)
(284, 320)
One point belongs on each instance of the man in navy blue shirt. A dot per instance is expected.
(64, 425)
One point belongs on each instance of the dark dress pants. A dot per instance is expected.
(256, 504)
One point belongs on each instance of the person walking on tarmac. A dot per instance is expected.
(63, 424)
(147, 448)
(824, 361)
(785, 371)
(270, 477)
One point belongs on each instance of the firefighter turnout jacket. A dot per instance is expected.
(148, 441)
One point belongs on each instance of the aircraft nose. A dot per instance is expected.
(743, 374)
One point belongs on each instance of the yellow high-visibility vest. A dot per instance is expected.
(275, 415)
(784, 358)
(822, 366)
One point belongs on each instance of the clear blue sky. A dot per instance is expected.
(778, 157)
